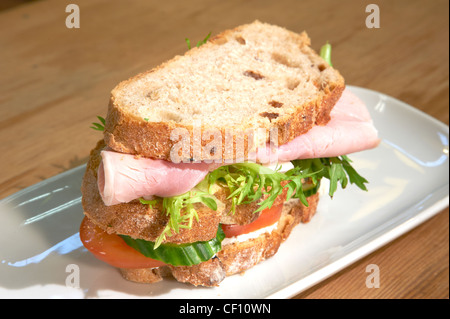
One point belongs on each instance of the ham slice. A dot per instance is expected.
(349, 130)
(124, 177)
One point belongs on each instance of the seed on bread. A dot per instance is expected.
(240, 39)
(253, 74)
(269, 115)
(275, 104)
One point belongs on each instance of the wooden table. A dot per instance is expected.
(55, 80)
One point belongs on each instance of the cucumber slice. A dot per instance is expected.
(179, 254)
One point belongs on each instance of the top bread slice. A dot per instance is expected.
(256, 76)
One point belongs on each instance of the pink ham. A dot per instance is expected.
(350, 130)
(124, 177)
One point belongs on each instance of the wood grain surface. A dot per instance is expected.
(54, 81)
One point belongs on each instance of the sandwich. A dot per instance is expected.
(209, 161)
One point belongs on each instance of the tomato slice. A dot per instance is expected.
(112, 249)
(268, 217)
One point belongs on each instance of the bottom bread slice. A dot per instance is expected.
(234, 257)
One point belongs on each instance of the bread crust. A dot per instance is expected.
(236, 257)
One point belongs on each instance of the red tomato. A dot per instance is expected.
(112, 249)
(268, 217)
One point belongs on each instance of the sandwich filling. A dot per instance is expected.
(125, 252)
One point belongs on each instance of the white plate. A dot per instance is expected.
(408, 174)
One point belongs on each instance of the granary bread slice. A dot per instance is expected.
(254, 76)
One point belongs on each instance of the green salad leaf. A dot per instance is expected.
(181, 211)
(249, 182)
(325, 53)
(151, 203)
(337, 170)
(199, 43)
(99, 126)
